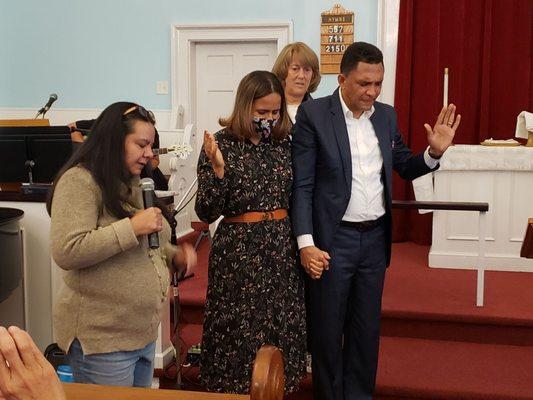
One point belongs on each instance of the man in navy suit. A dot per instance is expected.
(345, 147)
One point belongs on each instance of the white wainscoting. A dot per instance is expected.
(63, 116)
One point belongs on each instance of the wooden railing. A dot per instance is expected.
(440, 205)
(482, 208)
(267, 384)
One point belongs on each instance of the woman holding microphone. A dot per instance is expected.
(109, 310)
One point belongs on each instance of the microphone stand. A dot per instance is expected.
(177, 208)
(44, 110)
(175, 211)
(176, 280)
(41, 112)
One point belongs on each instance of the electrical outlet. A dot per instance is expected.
(161, 87)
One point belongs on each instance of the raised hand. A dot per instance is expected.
(443, 132)
(214, 154)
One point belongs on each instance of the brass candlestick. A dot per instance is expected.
(529, 139)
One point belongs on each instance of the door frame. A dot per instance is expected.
(388, 21)
(183, 44)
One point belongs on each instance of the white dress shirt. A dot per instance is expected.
(367, 201)
(366, 196)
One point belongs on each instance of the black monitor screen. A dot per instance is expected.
(49, 153)
(13, 159)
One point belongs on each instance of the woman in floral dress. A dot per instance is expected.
(255, 286)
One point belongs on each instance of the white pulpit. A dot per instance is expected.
(500, 176)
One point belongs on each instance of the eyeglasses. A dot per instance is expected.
(143, 112)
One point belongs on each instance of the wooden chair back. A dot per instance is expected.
(268, 377)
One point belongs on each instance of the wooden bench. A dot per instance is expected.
(267, 383)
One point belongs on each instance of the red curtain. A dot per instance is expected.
(487, 46)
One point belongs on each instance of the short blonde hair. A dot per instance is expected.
(301, 52)
(253, 86)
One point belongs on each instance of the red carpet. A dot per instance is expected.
(432, 369)
(436, 344)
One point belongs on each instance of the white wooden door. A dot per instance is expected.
(219, 67)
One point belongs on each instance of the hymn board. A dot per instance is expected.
(336, 34)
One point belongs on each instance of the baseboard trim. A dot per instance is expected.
(164, 358)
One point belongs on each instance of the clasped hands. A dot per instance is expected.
(314, 261)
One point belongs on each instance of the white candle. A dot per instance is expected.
(445, 95)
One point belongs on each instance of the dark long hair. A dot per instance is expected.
(103, 155)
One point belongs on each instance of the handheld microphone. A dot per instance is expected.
(44, 110)
(147, 186)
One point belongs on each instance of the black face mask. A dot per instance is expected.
(264, 126)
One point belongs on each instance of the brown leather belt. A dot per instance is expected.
(258, 216)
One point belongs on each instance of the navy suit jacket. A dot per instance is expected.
(322, 166)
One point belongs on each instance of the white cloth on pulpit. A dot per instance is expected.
(423, 189)
(486, 158)
(524, 124)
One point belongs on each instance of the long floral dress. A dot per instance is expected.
(255, 292)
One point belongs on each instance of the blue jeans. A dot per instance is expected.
(119, 368)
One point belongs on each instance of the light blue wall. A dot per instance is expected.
(92, 53)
